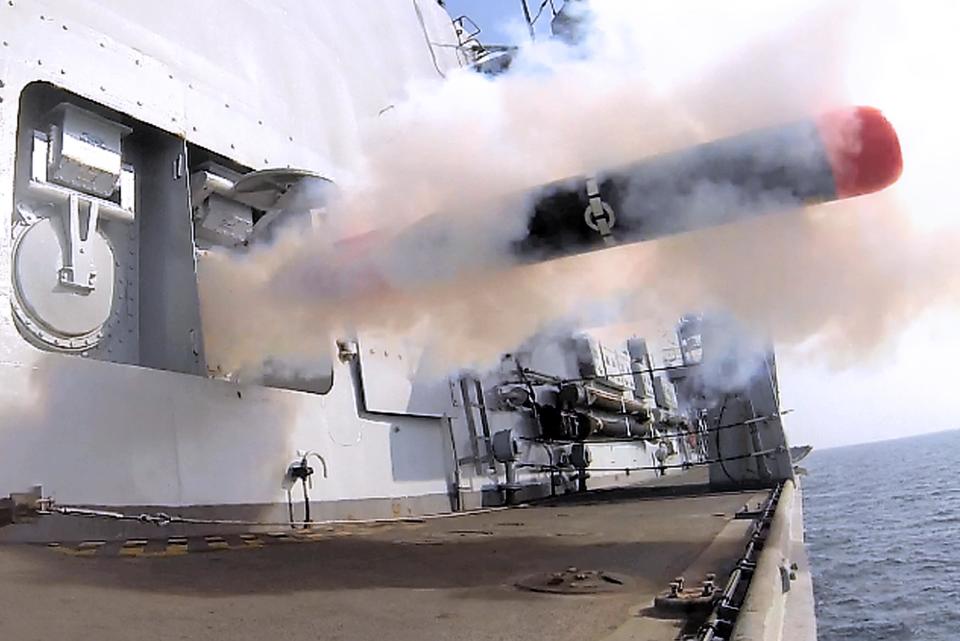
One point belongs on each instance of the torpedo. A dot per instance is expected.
(839, 155)
(842, 154)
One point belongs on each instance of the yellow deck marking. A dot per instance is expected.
(133, 547)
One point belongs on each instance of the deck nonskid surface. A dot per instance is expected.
(444, 579)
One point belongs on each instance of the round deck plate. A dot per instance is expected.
(575, 581)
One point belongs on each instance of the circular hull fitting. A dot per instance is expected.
(575, 581)
(50, 312)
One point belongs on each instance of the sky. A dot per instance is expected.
(501, 21)
(905, 387)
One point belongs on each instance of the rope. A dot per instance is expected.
(162, 519)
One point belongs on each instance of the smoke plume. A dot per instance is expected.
(651, 77)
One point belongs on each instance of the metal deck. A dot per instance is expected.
(445, 579)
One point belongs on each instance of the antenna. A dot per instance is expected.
(532, 19)
(529, 19)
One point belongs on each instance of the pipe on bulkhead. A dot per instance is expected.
(300, 470)
(510, 487)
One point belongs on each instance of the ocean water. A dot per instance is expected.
(883, 532)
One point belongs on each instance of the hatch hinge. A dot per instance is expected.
(77, 271)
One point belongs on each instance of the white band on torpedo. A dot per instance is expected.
(599, 215)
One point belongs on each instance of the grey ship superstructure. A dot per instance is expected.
(136, 137)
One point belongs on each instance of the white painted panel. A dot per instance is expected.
(283, 83)
(220, 74)
(396, 377)
(100, 433)
(86, 432)
(233, 443)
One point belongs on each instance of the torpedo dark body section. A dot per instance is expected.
(839, 155)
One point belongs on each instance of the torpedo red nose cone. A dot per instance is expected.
(863, 148)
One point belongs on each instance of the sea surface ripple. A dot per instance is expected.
(883, 532)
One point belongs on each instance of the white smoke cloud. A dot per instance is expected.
(653, 77)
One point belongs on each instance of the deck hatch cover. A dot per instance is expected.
(575, 581)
